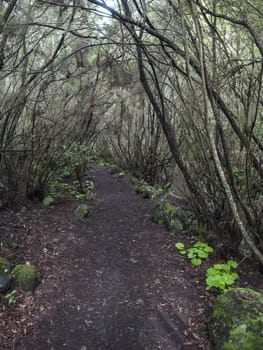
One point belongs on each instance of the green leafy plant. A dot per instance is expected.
(11, 297)
(48, 200)
(221, 276)
(197, 253)
(60, 189)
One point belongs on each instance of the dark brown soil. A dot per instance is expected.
(113, 281)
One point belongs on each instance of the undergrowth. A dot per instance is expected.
(60, 190)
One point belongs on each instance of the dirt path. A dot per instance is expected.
(113, 284)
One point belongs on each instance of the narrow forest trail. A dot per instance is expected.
(117, 286)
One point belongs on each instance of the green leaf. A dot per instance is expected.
(232, 263)
(191, 254)
(183, 252)
(211, 272)
(208, 249)
(230, 278)
(215, 281)
(201, 254)
(11, 297)
(196, 262)
(200, 244)
(179, 246)
(194, 249)
(222, 267)
(235, 275)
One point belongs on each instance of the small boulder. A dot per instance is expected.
(26, 277)
(82, 211)
(237, 320)
(3, 264)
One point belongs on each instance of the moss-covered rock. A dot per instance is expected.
(3, 264)
(26, 277)
(237, 320)
(82, 211)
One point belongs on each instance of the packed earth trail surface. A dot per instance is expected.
(111, 281)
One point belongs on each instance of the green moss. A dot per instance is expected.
(237, 320)
(26, 277)
(238, 341)
(3, 264)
